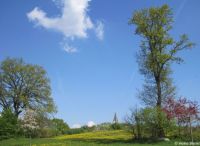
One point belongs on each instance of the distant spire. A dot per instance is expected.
(115, 119)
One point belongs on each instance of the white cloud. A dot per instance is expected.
(100, 30)
(91, 124)
(69, 49)
(74, 21)
(75, 126)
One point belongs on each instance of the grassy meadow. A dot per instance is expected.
(98, 138)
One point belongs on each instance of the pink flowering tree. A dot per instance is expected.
(184, 111)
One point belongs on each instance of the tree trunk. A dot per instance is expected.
(179, 129)
(191, 129)
(139, 131)
(161, 132)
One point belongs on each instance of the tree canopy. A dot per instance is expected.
(24, 86)
(157, 52)
(158, 48)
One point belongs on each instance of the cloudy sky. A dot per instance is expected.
(88, 50)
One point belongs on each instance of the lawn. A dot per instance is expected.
(99, 138)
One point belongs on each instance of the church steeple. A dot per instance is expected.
(115, 119)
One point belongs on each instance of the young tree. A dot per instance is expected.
(158, 49)
(150, 119)
(143, 122)
(24, 86)
(29, 122)
(186, 112)
(135, 122)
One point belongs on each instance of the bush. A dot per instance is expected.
(59, 126)
(115, 126)
(75, 131)
(81, 130)
(46, 133)
(144, 123)
(196, 133)
(104, 126)
(9, 126)
(150, 118)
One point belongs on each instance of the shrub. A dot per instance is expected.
(46, 133)
(75, 131)
(9, 126)
(115, 126)
(144, 122)
(59, 126)
(150, 118)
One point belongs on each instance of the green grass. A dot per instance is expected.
(99, 138)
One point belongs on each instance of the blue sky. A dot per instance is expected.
(90, 54)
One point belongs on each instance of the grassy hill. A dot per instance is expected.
(99, 135)
(97, 138)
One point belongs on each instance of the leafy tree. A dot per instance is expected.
(115, 126)
(9, 126)
(158, 50)
(143, 122)
(60, 126)
(29, 123)
(186, 112)
(150, 120)
(24, 86)
(104, 126)
(134, 120)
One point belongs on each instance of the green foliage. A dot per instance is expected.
(83, 129)
(23, 86)
(9, 126)
(144, 122)
(75, 131)
(100, 127)
(158, 51)
(37, 125)
(196, 133)
(158, 48)
(104, 126)
(135, 122)
(59, 126)
(46, 132)
(151, 119)
(116, 126)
